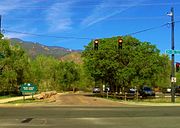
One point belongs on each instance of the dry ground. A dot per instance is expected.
(84, 100)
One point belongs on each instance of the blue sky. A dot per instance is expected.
(90, 19)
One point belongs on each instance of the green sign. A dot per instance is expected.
(28, 88)
(172, 51)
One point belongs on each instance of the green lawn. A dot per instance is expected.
(161, 100)
(25, 101)
(4, 97)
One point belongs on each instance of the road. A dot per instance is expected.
(90, 117)
(77, 111)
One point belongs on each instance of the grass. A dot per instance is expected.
(148, 100)
(160, 100)
(4, 97)
(25, 101)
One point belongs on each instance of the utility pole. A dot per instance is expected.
(171, 14)
(1, 35)
(0, 24)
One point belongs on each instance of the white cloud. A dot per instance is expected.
(59, 16)
(8, 5)
(107, 9)
(8, 8)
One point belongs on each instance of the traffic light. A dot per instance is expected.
(177, 66)
(120, 41)
(96, 43)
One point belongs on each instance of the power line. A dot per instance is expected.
(152, 28)
(85, 38)
(148, 29)
(43, 35)
(177, 21)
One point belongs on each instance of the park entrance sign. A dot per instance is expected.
(28, 89)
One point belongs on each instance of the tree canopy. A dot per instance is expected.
(48, 73)
(136, 64)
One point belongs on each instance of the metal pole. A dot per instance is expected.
(172, 56)
(0, 24)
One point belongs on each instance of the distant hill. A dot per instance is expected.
(34, 49)
(74, 56)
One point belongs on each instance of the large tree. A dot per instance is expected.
(137, 63)
(13, 66)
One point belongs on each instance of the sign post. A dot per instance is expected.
(28, 88)
(172, 52)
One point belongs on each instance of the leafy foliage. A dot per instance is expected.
(13, 66)
(46, 72)
(136, 64)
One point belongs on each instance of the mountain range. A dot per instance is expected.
(35, 49)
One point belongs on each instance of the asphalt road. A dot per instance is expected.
(90, 117)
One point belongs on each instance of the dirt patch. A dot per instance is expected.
(80, 99)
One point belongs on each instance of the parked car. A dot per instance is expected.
(96, 90)
(177, 90)
(146, 91)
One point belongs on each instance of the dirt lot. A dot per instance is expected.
(82, 99)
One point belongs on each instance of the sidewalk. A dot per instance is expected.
(6, 100)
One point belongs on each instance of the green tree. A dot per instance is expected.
(13, 66)
(70, 75)
(137, 63)
(45, 72)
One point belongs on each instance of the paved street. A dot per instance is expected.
(84, 111)
(90, 117)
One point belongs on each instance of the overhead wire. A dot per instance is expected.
(44, 35)
(85, 38)
(148, 29)
(152, 28)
